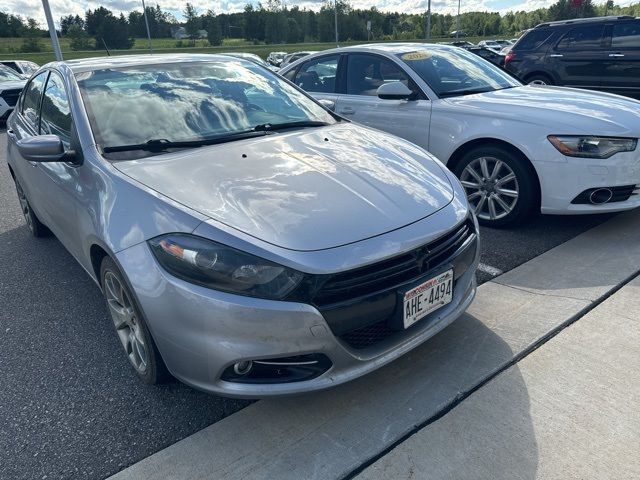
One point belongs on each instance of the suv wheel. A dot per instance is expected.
(539, 79)
(498, 184)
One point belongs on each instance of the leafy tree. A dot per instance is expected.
(193, 21)
(212, 25)
(31, 42)
(80, 39)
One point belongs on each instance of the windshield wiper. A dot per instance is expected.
(162, 144)
(272, 127)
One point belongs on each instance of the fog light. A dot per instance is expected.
(242, 368)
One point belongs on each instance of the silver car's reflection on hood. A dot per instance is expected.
(247, 240)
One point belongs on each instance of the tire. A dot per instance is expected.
(502, 197)
(131, 328)
(540, 79)
(36, 227)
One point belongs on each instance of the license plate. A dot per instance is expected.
(427, 297)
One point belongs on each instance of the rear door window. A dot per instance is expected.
(626, 35)
(318, 75)
(587, 37)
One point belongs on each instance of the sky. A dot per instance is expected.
(59, 8)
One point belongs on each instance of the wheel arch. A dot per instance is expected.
(462, 150)
(97, 253)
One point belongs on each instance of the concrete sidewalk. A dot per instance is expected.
(571, 409)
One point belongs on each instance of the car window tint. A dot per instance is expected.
(533, 39)
(318, 75)
(626, 35)
(55, 118)
(12, 65)
(32, 95)
(579, 38)
(365, 73)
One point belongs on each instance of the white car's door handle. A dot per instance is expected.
(347, 111)
(556, 55)
(617, 55)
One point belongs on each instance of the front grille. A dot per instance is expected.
(11, 96)
(390, 273)
(619, 194)
(360, 306)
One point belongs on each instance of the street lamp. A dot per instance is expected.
(335, 17)
(52, 31)
(146, 22)
(458, 21)
(429, 21)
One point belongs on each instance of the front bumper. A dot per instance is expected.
(201, 332)
(564, 178)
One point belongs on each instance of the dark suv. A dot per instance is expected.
(600, 53)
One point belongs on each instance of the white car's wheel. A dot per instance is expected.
(498, 184)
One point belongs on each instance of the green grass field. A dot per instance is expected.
(9, 48)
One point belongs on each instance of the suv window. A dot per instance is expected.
(55, 117)
(318, 75)
(626, 35)
(365, 73)
(32, 95)
(584, 37)
(534, 39)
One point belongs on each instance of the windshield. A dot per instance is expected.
(190, 101)
(9, 75)
(454, 72)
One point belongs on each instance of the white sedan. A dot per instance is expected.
(516, 148)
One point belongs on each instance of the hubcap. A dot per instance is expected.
(491, 187)
(24, 206)
(537, 82)
(126, 322)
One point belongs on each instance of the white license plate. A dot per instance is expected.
(427, 297)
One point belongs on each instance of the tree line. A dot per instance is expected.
(275, 22)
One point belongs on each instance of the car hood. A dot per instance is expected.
(567, 110)
(311, 189)
(18, 84)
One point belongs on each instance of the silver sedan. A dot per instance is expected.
(247, 240)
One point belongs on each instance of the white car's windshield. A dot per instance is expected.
(454, 72)
(189, 102)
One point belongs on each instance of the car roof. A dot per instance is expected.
(396, 48)
(102, 63)
(585, 20)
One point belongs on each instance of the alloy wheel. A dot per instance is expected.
(126, 322)
(24, 206)
(491, 187)
(537, 82)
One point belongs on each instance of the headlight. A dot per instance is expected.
(591, 147)
(204, 262)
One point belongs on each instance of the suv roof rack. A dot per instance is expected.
(586, 20)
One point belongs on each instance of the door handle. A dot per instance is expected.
(616, 55)
(556, 55)
(347, 111)
(11, 135)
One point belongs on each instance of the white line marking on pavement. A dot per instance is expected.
(483, 267)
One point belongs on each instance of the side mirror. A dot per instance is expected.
(329, 104)
(395, 91)
(44, 148)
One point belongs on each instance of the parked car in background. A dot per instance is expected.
(253, 57)
(23, 67)
(275, 58)
(458, 34)
(503, 43)
(597, 53)
(292, 57)
(492, 44)
(461, 43)
(11, 84)
(245, 238)
(489, 54)
(517, 149)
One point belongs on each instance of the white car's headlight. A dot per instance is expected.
(592, 147)
(210, 264)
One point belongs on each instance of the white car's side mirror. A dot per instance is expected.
(395, 91)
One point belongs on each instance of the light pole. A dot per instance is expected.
(429, 21)
(335, 18)
(146, 22)
(52, 31)
(458, 21)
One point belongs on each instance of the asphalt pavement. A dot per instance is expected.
(70, 405)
